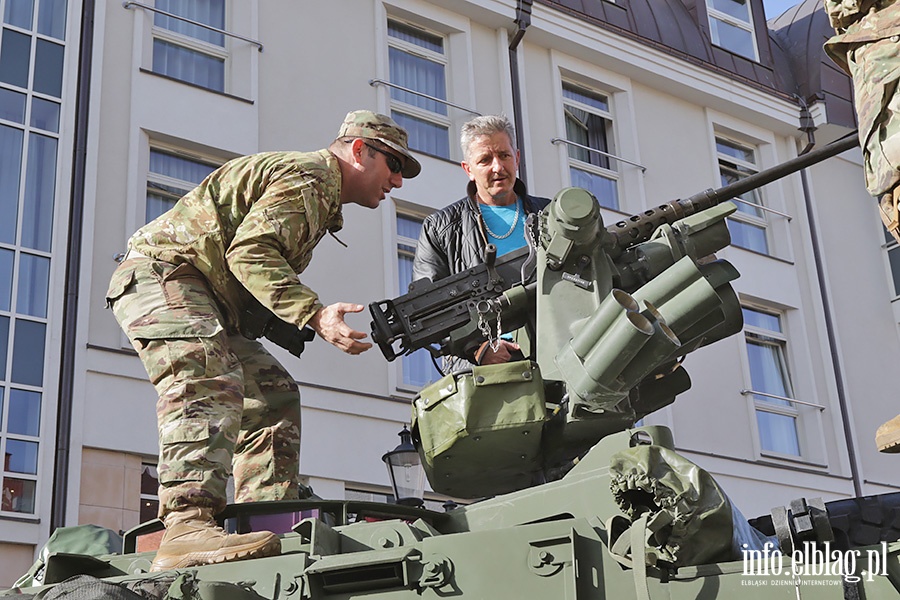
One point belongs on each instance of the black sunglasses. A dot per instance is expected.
(393, 162)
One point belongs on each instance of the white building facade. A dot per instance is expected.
(637, 110)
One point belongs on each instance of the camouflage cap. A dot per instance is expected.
(373, 126)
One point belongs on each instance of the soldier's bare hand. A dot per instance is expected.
(501, 355)
(329, 324)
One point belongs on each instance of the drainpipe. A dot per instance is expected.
(73, 271)
(807, 126)
(523, 20)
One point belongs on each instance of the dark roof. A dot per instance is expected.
(800, 32)
(791, 61)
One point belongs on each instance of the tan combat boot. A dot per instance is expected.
(887, 437)
(890, 212)
(192, 538)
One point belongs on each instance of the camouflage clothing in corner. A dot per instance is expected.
(225, 404)
(867, 46)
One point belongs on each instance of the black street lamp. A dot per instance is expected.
(406, 471)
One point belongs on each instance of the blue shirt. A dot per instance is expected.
(499, 220)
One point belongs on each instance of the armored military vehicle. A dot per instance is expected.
(570, 499)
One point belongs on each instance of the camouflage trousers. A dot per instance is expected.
(875, 67)
(225, 404)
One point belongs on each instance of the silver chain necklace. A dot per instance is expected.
(511, 229)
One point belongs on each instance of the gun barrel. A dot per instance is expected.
(639, 228)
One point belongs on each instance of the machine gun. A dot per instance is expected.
(445, 312)
(612, 311)
(434, 312)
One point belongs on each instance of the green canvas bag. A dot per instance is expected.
(479, 431)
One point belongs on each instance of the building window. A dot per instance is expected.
(149, 492)
(748, 225)
(366, 496)
(170, 177)
(417, 369)
(20, 450)
(51, 16)
(434, 504)
(589, 124)
(776, 415)
(185, 51)
(32, 60)
(731, 26)
(418, 62)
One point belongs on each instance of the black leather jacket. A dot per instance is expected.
(453, 239)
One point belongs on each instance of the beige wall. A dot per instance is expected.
(15, 560)
(110, 489)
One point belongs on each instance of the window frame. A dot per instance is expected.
(748, 26)
(167, 180)
(443, 59)
(775, 202)
(230, 53)
(39, 442)
(40, 309)
(144, 496)
(36, 497)
(777, 339)
(610, 134)
(617, 88)
(190, 42)
(418, 213)
(195, 45)
(760, 221)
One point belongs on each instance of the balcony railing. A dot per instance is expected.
(600, 152)
(374, 82)
(130, 3)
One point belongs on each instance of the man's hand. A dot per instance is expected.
(486, 356)
(329, 324)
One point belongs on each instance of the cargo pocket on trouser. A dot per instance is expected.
(122, 278)
(267, 454)
(199, 414)
(198, 419)
(173, 322)
(190, 471)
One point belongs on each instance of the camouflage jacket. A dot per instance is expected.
(859, 22)
(251, 225)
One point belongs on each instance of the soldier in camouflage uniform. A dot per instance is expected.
(867, 46)
(225, 404)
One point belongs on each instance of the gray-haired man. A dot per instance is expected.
(493, 211)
